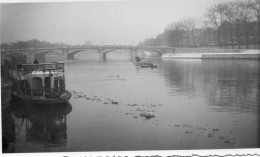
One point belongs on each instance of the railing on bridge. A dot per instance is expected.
(87, 47)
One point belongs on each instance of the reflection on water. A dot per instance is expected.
(31, 128)
(231, 84)
(8, 131)
(181, 104)
(235, 88)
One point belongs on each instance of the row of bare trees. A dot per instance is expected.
(233, 24)
(34, 43)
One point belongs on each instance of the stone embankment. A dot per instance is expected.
(214, 54)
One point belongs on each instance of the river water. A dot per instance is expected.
(181, 104)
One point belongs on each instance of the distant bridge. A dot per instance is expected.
(70, 51)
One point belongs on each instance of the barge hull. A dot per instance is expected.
(42, 101)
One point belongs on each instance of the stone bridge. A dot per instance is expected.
(70, 51)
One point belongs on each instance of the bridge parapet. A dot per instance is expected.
(70, 51)
(87, 47)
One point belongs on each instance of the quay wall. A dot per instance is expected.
(231, 56)
(207, 50)
(246, 54)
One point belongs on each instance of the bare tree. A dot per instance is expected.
(241, 16)
(206, 31)
(174, 34)
(194, 27)
(255, 8)
(246, 17)
(185, 23)
(236, 22)
(189, 25)
(216, 16)
(230, 17)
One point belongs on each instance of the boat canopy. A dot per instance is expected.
(42, 68)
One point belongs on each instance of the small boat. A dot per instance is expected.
(143, 63)
(149, 66)
(40, 83)
(146, 64)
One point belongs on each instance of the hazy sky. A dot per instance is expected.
(102, 22)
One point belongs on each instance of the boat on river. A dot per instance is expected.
(144, 64)
(40, 83)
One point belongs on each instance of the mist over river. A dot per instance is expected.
(115, 105)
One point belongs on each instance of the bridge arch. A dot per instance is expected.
(158, 51)
(105, 52)
(45, 52)
(71, 54)
(108, 51)
(111, 50)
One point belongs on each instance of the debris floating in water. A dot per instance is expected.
(147, 115)
(114, 102)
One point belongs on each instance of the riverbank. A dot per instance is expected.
(221, 54)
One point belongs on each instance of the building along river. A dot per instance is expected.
(181, 104)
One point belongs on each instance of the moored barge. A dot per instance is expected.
(40, 83)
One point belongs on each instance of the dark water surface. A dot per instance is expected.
(182, 104)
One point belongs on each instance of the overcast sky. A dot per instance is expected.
(102, 22)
